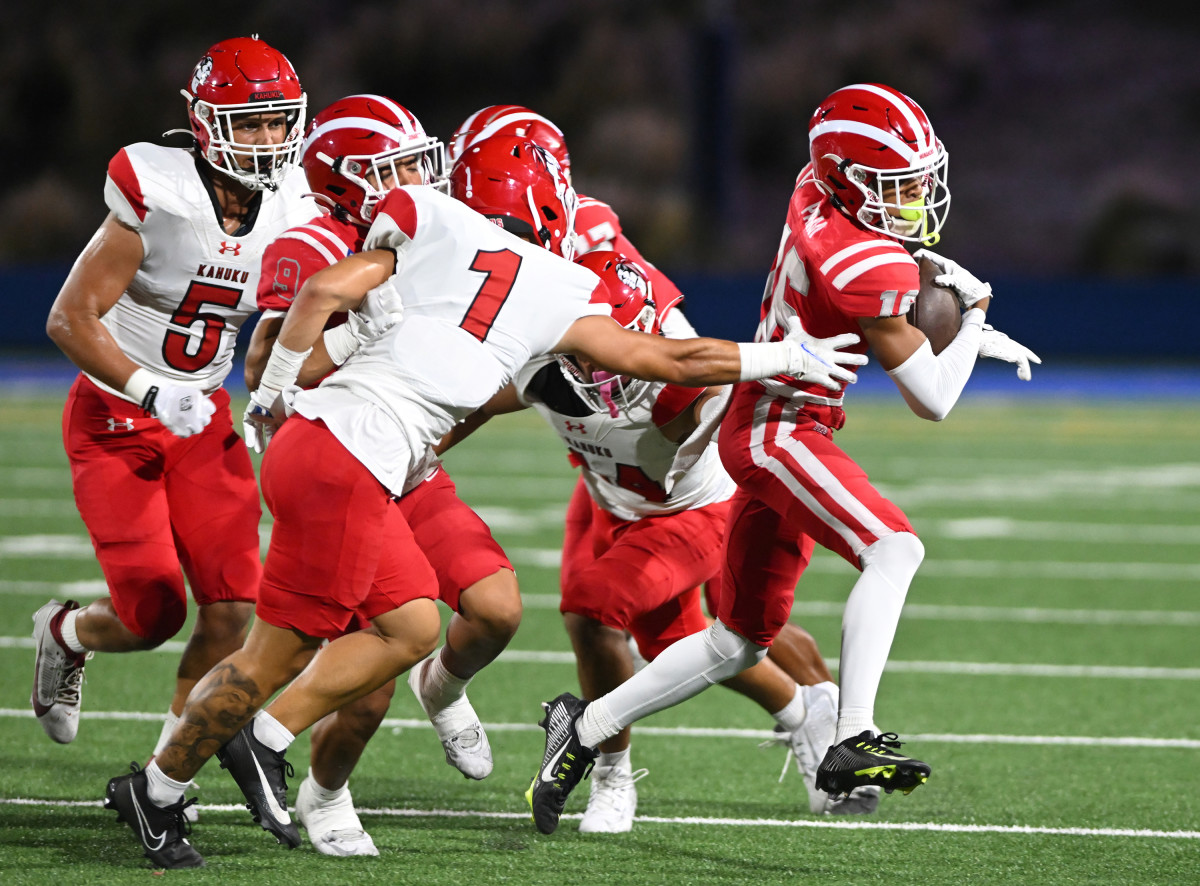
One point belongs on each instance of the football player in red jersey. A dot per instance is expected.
(876, 181)
(647, 535)
(478, 304)
(359, 148)
(149, 314)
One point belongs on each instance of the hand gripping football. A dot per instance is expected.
(936, 312)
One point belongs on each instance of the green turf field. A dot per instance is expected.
(1046, 667)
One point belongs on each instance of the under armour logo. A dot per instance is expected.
(581, 427)
(235, 248)
(125, 424)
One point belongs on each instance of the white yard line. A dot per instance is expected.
(957, 668)
(705, 821)
(399, 723)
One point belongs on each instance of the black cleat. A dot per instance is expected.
(260, 773)
(566, 763)
(869, 758)
(161, 829)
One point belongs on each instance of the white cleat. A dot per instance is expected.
(333, 827)
(458, 728)
(808, 745)
(613, 802)
(57, 674)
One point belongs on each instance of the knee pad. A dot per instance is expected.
(898, 556)
(157, 618)
(730, 646)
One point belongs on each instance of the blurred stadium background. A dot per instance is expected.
(1071, 128)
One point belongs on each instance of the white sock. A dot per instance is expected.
(791, 716)
(67, 629)
(439, 687)
(619, 760)
(163, 791)
(869, 626)
(271, 732)
(323, 794)
(685, 668)
(165, 736)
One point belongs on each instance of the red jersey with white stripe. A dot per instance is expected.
(197, 283)
(829, 272)
(597, 227)
(300, 252)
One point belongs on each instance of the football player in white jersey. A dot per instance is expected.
(149, 314)
(479, 303)
(648, 536)
(357, 149)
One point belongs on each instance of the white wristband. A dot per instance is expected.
(763, 359)
(340, 343)
(283, 367)
(140, 384)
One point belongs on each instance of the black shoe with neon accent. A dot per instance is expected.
(870, 758)
(262, 775)
(566, 763)
(162, 830)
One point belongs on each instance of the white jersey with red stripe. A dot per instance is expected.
(479, 303)
(626, 458)
(829, 272)
(197, 283)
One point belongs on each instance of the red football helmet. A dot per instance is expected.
(239, 77)
(874, 152)
(520, 186)
(354, 144)
(630, 294)
(512, 120)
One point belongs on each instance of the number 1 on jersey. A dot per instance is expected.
(500, 269)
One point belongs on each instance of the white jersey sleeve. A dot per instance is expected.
(479, 304)
(180, 316)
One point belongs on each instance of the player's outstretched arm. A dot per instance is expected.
(698, 362)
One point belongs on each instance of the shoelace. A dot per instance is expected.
(72, 686)
(885, 741)
(618, 784)
(181, 823)
(782, 738)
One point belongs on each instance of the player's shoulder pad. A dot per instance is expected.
(143, 177)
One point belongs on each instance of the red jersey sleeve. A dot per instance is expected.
(672, 401)
(286, 264)
(878, 280)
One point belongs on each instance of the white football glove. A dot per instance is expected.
(995, 344)
(816, 359)
(380, 310)
(263, 416)
(183, 411)
(966, 285)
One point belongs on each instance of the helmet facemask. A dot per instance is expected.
(371, 171)
(887, 207)
(269, 163)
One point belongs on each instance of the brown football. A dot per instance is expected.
(936, 312)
